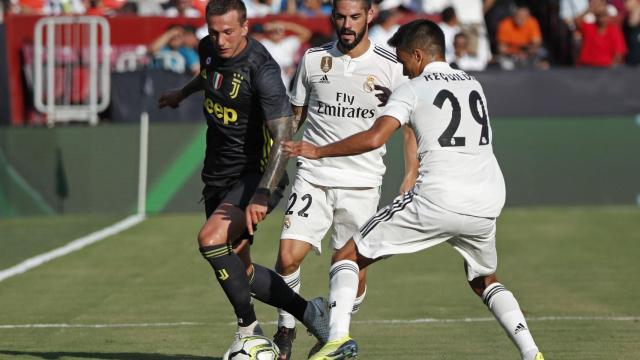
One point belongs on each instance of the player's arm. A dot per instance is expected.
(274, 101)
(281, 130)
(299, 116)
(174, 97)
(355, 144)
(411, 162)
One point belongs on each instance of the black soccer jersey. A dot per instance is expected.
(240, 95)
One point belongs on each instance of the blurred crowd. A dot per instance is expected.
(501, 34)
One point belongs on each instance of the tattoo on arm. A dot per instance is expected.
(299, 115)
(281, 129)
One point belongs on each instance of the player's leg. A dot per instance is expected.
(353, 208)
(308, 217)
(477, 245)
(290, 256)
(504, 306)
(215, 239)
(406, 225)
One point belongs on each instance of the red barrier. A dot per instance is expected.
(125, 30)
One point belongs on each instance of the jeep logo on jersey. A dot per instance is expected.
(326, 63)
(216, 80)
(227, 115)
(235, 85)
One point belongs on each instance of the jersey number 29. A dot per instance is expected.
(447, 138)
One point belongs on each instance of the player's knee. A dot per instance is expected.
(347, 252)
(287, 263)
(479, 284)
(210, 237)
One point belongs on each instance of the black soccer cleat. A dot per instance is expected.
(284, 339)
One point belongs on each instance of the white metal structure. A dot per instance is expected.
(72, 68)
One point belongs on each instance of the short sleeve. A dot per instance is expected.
(300, 84)
(202, 51)
(396, 76)
(400, 104)
(619, 44)
(271, 91)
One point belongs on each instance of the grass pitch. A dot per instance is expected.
(147, 294)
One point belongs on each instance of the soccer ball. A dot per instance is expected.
(254, 348)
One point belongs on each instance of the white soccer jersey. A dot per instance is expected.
(339, 93)
(448, 112)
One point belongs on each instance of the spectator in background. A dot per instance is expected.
(386, 25)
(602, 41)
(470, 15)
(632, 31)
(520, 41)
(464, 60)
(449, 26)
(182, 8)
(170, 52)
(314, 8)
(63, 7)
(256, 8)
(283, 48)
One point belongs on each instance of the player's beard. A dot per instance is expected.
(358, 37)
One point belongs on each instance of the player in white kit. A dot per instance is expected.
(458, 195)
(339, 89)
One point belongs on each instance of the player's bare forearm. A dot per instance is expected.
(299, 115)
(411, 162)
(281, 130)
(355, 144)
(173, 98)
(192, 86)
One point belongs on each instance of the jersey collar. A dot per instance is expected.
(436, 65)
(362, 57)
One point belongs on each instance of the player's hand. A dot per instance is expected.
(300, 148)
(171, 98)
(383, 95)
(256, 211)
(407, 184)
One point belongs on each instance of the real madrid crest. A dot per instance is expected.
(287, 222)
(369, 84)
(326, 63)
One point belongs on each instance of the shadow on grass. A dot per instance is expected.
(108, 355)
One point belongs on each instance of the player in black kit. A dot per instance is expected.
(248, 116)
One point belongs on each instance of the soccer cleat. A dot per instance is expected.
(341, 349)
(315, 348)
(539, 356)
(284, 339)
(242, 333)
(316, 318)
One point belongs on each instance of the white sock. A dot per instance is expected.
(507, 311)
(251, 329)
(359, 300)
(343, 286)
(293, 281)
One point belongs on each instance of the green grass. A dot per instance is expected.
(559, 262)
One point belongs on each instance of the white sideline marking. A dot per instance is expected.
(71, 247)
(97, 326)
(386, 322)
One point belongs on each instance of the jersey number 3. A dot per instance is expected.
(447, 138)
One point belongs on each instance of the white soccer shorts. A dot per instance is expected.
(411, 223)
(312, 209)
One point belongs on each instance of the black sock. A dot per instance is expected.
(231, 274)
(269, 287)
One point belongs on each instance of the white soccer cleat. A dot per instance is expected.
(316, 318)
(243, 332)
